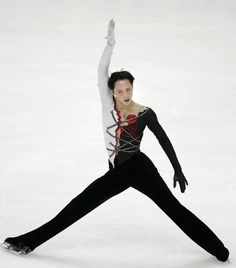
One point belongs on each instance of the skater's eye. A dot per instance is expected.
(126, 90)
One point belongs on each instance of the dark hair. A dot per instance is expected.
(120, 75)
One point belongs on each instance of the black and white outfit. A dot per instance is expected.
(128, 167)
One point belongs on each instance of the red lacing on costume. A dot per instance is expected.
(118, 127)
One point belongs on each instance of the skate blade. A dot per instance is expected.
(12, 249)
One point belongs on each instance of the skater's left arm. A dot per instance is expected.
(154, 125)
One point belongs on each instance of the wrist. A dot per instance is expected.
(110, 43)
(178, 170)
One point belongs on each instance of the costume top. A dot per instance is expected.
(123, 138)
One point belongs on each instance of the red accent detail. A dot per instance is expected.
(119, 120)
(129, 116)
(132, 126)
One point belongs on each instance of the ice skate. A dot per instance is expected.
(222, 255)
(17, 248)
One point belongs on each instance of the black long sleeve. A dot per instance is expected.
(154, 125)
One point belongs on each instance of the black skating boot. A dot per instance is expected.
(222, 254)
(15, 246)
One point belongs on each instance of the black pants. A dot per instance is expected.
(140, 173)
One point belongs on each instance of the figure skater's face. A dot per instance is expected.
(123, 91)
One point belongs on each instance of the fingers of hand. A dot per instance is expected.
(112, 22)
(182, 187)
(110, 31)
(175, 179)
(181, 184)
(181, 181)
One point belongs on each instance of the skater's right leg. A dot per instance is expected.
(147, 180)
(110, 184)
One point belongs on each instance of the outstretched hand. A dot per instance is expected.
(179, 176)
(110, 33)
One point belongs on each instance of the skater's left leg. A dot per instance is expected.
(100, 190)
(147, 180)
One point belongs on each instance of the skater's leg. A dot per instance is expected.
(100, 190)
(148, 181)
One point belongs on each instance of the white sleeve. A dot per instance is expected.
(105, 93)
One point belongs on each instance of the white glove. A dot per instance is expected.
(110, 33)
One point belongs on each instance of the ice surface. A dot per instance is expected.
(182, 55)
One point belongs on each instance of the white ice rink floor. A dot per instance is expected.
(182, 55)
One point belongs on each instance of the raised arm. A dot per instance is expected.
(103, 66)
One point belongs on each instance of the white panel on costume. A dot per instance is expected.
(109, 114)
